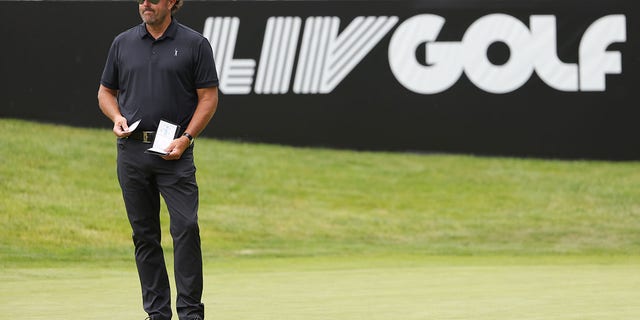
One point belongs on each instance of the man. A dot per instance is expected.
(161, 70)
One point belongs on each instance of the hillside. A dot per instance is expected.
(60, 201)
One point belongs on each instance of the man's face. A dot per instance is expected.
(154, 12)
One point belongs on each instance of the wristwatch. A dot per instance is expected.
(190, 137)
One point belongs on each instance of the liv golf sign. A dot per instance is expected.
(313, 56)
(555, 79)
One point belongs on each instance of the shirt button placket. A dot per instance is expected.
(153, 61)
(154, 54)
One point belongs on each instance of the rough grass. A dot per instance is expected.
(60, 201)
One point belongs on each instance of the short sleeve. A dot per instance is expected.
(109, 77)
(206, 74)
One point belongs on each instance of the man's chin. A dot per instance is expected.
(149, 21)
(148, 18)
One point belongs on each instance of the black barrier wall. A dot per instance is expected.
(536, 78)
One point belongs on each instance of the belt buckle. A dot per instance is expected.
(147, 136)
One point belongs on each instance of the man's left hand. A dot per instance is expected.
(177, 148)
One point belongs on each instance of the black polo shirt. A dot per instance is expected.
(157, 78)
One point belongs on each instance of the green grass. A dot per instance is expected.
(298, 233)
(60, 201)
(320, 288)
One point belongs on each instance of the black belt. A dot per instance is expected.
(144, 136)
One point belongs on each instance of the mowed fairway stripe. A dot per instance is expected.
(295, 290)
(442, 292)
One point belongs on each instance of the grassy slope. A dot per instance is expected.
(60, 201)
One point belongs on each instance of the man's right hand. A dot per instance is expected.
(108, 103)
(120, 127)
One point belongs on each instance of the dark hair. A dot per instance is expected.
(176, 6)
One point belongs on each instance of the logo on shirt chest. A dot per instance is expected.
(170, 59)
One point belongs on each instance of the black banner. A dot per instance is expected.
(537, 78)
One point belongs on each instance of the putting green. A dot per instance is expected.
(350, 288)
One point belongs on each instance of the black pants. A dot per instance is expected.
(143, 178)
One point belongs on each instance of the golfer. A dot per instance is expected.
(161, 70)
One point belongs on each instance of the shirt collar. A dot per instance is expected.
(171, 31)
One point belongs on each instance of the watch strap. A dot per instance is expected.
(190, 137)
